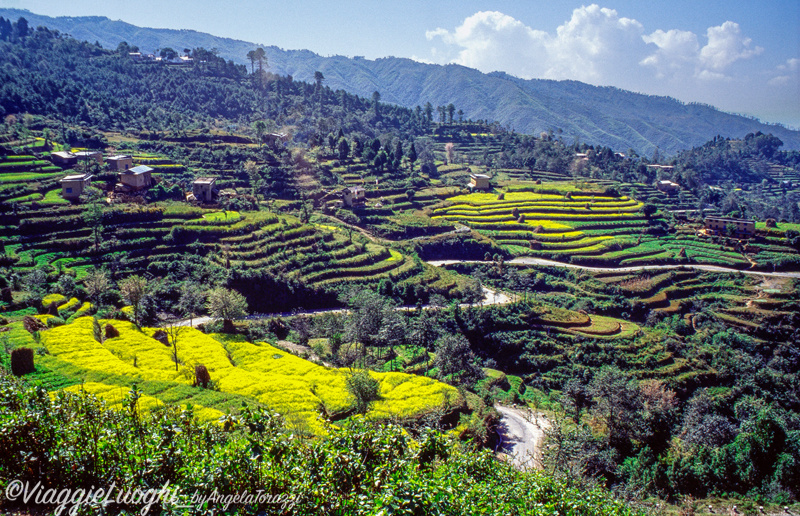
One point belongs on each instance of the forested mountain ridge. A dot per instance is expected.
(596, 115)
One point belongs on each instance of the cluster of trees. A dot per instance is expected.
(50, 74)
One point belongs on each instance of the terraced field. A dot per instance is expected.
(541, 223)
(255, 373)
(580, 223)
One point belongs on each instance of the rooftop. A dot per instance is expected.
(141, 169)
(204, 180)
(77, 177)
(727, 219)
(480, 176)
(120, 156)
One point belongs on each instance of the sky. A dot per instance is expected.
(742, 56)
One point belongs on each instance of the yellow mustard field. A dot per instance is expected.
(305, 392)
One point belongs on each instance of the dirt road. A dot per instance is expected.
(541, 261)
(522, 434)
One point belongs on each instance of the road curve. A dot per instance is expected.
(526, 260)
(490, 297)
(522, 433)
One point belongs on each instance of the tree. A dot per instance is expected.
(412, 155)
(252, 57)
(376, 99)
(191, 301)
(168, 54)
(96, 283)
(261, 59)
(343, 148)
(616, 402)
(93, 217)
(429, 112)
(649, 209)
(451, 109)
(174, 332)
(456, 361)
(260, 128)
(226, 304)
(134, 289)
(372, 321)
(318, 78)
(364, 389)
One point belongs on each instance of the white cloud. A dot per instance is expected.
(676, 54)
(599, 46)
(595, 45)
(787, 73)
(725, 46)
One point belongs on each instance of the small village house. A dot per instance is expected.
(73, 186)
(87, 155)
(668, 186)
(204, 189)
(742, 228)
(63, 159)
(479, 182)
(120, 162)
(135, 178)
(354, 196)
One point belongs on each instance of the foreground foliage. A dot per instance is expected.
(74, 441)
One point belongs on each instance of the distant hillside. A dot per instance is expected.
(598, 115)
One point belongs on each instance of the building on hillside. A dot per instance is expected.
(741, 228)
(73, 186)
(120, 162)
(354, 196)
(87, 155)
(204, 189)
(668, 186)
(134, 178)
(273, 139)
(479, 182)
(63, 159)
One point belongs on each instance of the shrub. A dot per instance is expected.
(111, 332)
(363, 388)
(201, 376)
(32, 324)
(278, 328)
(161, 336)
(54, 321)
(22, 361)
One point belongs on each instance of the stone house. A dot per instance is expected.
(479, 182)
(741, 227)
(73, 186)
(120, 162)
(204, 189)
(354, 196)
(63, 159)
(87, 155)
(135, 178)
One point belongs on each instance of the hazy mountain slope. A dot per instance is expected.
(597, 115)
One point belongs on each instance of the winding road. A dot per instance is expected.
(522, 433)
(526, 260)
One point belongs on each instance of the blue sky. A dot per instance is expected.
(742, 56)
